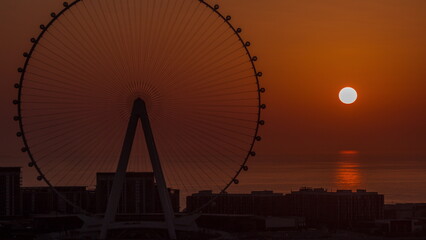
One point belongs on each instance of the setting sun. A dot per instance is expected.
(348, 95)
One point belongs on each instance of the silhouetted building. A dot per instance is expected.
(341, 208)
(405, 211)
(10, 196)
(261, 203)
(139, 194)
(317, 206)
(43, 200)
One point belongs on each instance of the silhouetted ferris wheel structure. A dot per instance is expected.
(99, 67)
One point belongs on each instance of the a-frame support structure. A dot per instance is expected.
(138, 112)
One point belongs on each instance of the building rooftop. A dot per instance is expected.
(253, 193)
(309, 190)
(10, 169)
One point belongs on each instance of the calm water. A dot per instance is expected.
(401, 178)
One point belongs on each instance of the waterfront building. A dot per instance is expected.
(10, 196)
(43, 200)
(318, 206)
(139, 193)
(340, 208)
(261, 203)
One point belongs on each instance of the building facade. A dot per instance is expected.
(261, 203)
(317, 205)
(340, 208)
(43, 200)
(139, 194)
(10, 195)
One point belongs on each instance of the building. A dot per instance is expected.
(405, 211)
(139, 194)
(341, 208)
(318, 206)
(10, 196)
(43, 200)
(261, 203)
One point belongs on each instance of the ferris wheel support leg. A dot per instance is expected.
(120, 174)
(166, 202)
(139, 111)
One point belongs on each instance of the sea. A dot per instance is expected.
(401, 178)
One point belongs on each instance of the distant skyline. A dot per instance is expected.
(308, 51)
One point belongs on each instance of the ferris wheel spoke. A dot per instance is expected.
(97, 28)
(83, 72)
(180, 41)
(177, 156)
(200, 169)
(91, 152)
(212, 75)
(71, 150)
(57, 78)
(172, 22)
(195, 65)
(77, 56)
(215, 149)
(105, 54)
(205, 152)
(220, 138)
(176, 161)
(182, 46)
(227, 138)
(214, 51)
(68, 130)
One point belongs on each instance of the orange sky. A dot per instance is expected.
(311, 49)
(308, 51)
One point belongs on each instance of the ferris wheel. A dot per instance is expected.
(159, 86)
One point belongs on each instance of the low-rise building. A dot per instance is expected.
(339, 209)
(260, 203)
(44, 200)
(139, 195)
(10, 196)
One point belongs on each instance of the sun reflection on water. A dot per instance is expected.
(348, 170)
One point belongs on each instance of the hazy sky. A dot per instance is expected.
(308, 51)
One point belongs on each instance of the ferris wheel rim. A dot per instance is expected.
(55, 17)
